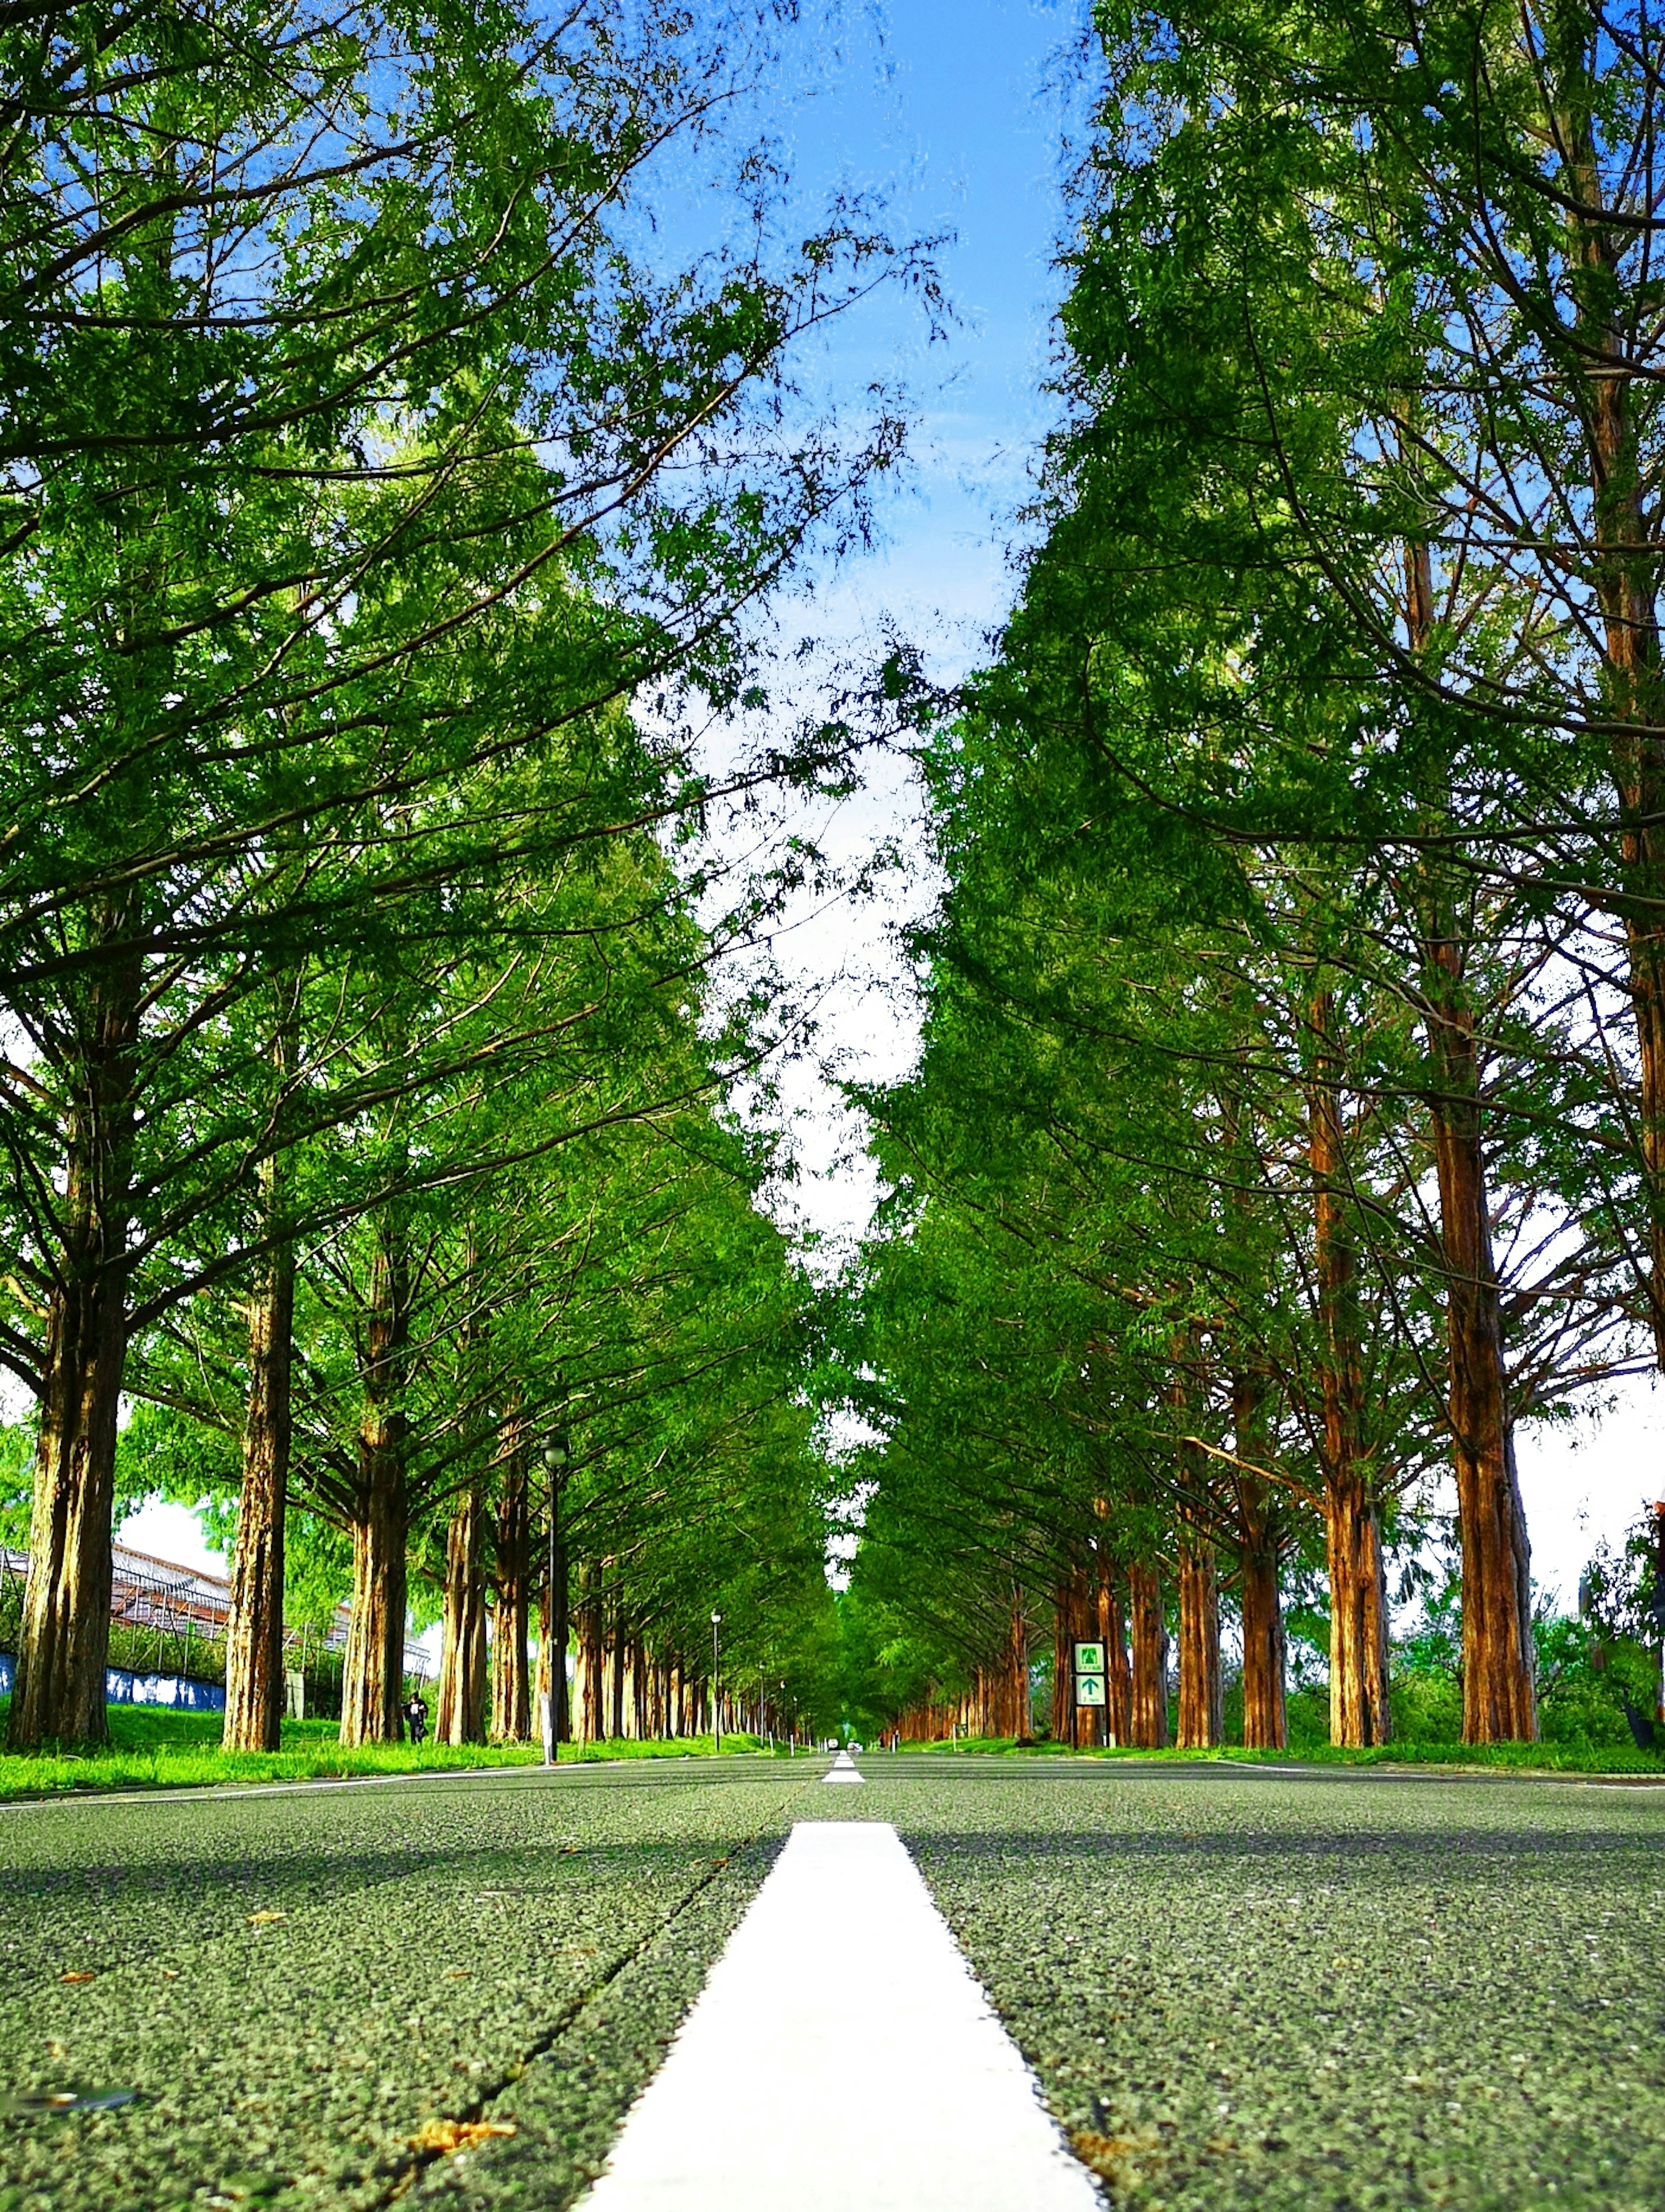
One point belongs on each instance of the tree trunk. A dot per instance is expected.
(1118, 1671)
(460, 1715)
(1201, 1723)
(1358, 1615)
(1066, 1627)
(1266, 1722)
(1499, 1703)
(374, 1665)
(65, 1640)
(1352, 1530)
(560, 1637)
(1266, 1726)
(254, 1624)
(592, 1724)
(1015, 1671)
(616, 1646)
(1149, 1724)
(540, 1689)
(511, 1687)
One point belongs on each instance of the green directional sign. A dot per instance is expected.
(1089, 1689)
(1089, 1658)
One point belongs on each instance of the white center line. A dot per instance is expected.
(842, 2058)
(844, 1770)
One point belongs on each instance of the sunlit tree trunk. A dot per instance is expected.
(1200, 1722)
(1266, 1726)
(1200, 1699)
(1499, 1701)
(1353, 1531)
(374, 1665)
(1015, 1670)
(461, 1714)
(1068, 1623)
(64, 1639)
(593, 1724)
(511, 1688)
(254, 1626)
(1119, 1674)
(1149, 1630)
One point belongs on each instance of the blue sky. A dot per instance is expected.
(943, 106)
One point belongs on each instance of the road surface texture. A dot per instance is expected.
(1237, 1987)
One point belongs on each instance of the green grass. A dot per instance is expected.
(1522, 1758)
(153, 1749)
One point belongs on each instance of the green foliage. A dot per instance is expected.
(16, 1484)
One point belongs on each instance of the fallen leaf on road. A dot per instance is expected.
(1122, 2160)
(264, 1919)
(83, 1976)
(457, 2135)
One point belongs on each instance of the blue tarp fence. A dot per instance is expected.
(123, 1687)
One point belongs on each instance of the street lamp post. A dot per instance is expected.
(555, 1458)
(716, 1699)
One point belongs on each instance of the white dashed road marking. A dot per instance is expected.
(842, 2058)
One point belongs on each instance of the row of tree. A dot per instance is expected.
(382, 504)
(1291, 1118)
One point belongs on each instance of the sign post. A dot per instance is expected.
(1090, 1676)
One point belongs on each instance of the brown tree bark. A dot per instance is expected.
(1015, 1672)
(511, 1687)
(1266, 1719)
(1068, 1613)
(372, 1665)
(254, 1624)
(560, 1619)
(540, 1684)
(461, 1714)
(1358, 1614)
(1352, 1530)
(1119, 1673)
(591, 1724)
(1149, 1728)
(1265, 1725)
(1499, 1703)
(1200, 1697)
(65, 1640)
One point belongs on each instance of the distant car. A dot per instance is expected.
(853, 1749)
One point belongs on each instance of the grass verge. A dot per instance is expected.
(1520, 1758)
(150, 1749)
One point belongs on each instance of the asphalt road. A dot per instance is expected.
(1238, 1988)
